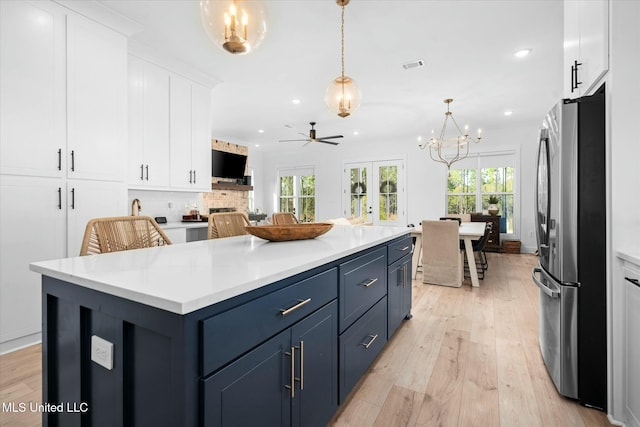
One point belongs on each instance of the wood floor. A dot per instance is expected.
(469, 357)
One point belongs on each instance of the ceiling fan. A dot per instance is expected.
(312, 137)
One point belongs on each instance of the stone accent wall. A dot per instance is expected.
(227, 198)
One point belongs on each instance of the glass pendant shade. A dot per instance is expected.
(237, 26)
(343, 96)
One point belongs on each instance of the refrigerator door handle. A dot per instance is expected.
(547, 290)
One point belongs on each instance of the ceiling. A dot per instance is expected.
(467, 47)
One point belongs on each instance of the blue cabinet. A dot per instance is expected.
(290, 380)
(398, 293)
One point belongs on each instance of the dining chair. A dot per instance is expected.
(227, 224)
(284, 218)
(479, 246)
(462, 217)
(441, 254)
(121, 233)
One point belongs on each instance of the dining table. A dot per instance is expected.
(468, 232)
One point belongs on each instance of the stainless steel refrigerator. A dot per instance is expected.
(571, 235)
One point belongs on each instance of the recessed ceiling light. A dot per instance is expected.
(257, 145)
(522, 53)
(355, 132)
(508, 113)
(295, 101)
(260, 130)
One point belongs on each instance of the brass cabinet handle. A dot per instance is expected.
(286, 311)
(370, 282)
(293, 372)
(373, 338)
(301, 365)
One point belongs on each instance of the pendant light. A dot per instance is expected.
(237, 26)
(343, 95)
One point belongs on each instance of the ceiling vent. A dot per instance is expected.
(413, 64)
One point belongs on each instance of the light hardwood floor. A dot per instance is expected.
(469, 357)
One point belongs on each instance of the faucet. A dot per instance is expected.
(136, 207)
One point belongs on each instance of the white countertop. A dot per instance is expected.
(180, 224)
(184, 278)
(630, 256)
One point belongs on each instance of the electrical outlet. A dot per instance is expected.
(102, 352)
(170, 205)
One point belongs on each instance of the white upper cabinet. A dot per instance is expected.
(190, 135)
(586, 45)
(96, 86)
(32, 83)
(148, 160)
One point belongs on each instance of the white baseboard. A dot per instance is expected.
(20, 343)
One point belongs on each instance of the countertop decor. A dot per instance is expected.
(283, 233)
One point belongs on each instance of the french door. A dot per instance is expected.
(374, 192)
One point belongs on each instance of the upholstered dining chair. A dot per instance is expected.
(283, 218)
(462, 217)
(227, 224)
(441, 254)
(121, 233)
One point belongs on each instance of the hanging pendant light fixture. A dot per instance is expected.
(343, 95)
(449, 150)
(237, 26)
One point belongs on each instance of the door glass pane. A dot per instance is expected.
(286, 194)
(388, 193)
(307, 199)
(358, 193)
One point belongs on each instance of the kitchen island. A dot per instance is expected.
(236, 331)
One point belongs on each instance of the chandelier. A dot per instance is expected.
(343, 95)
(449, 150)
(238, 26)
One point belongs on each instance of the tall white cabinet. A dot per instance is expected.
(169, 128)
(586, 45)
(62, 139)
(631, 343)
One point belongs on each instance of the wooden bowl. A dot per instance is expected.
(283, 233)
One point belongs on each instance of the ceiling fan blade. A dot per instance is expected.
(293, 140)
(330, 137)
(327, 142)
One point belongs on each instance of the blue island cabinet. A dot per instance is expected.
(283, 354)
(399, 283)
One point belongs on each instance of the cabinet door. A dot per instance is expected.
(594, 43)
(181, 171)
(156, 126)
(316, 342)
(632, 346)
(96, 94)
(571, 46)
(252, 390)
(201, 137)
(32, 225)
(32, 83)
(87, 200)
(399, 293)
(135, 124)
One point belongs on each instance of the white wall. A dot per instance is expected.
(426, 179)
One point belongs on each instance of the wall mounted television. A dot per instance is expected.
(227, 165)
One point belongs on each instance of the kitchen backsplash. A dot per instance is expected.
(165, 203)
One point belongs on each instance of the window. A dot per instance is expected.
(469, 188)
(298, 193)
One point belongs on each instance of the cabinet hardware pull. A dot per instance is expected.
(190, 177)
(147, 171)
(373, 338)
(301, 365)
(404, 278)
(59, 159)
(60, 198)
(141, 172)
(403, 249)
(194, 176)
(370, 282)
(293, 372)
(285, 311)
(73, 161)
(73, 198)
(634, 281)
